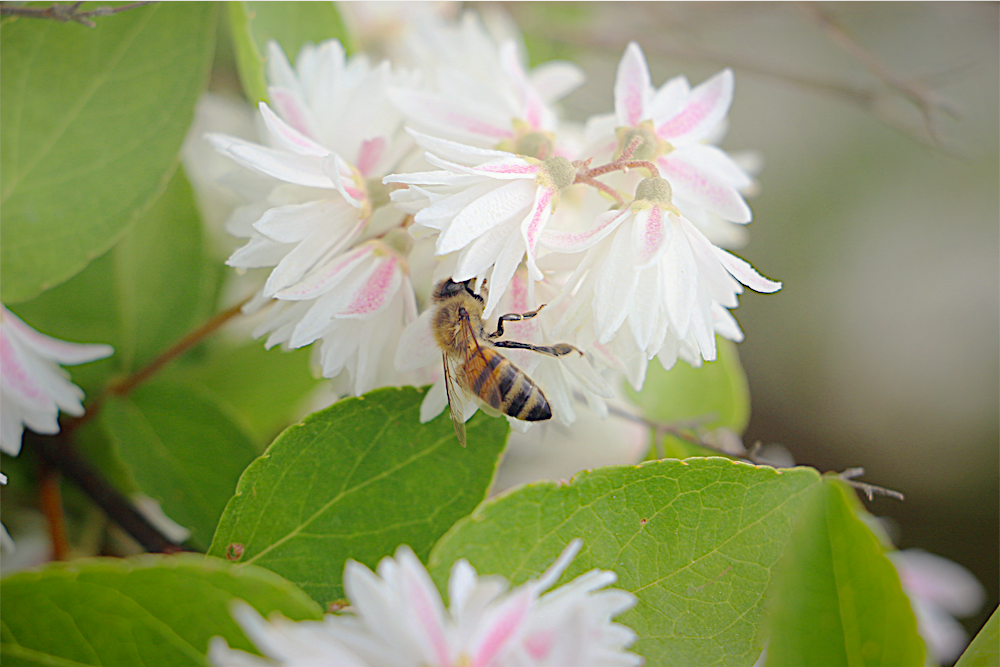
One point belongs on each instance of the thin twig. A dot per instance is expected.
(916, 93)
(64, 13)
(58, 452)
(870, 490)
(50, 500)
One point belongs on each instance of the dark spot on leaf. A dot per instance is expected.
(234, 551)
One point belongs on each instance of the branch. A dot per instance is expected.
(58, 452)
(64, 13)
(870, 490)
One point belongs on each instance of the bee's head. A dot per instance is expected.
(448, 288)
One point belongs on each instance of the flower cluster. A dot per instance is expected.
(371, 183)
(397, 618)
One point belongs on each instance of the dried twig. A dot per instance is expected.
(64, 13)
(870, 490)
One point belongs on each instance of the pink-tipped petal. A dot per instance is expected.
(60, 351)
(287, 136)
(534, 111)
(503, 168)
(376, 292)
(18, 379)
(706, 106)
(573, 242)
(633, 90)
(651, 233)
(670, 99)
(326, 277)
(533, 226)
(468, 122)
(369, 154)
(703, 188)
(297, 169)
(500, 626)
(745, 273)
(342, 178)
(291, 109)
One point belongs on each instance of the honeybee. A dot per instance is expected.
(472, 365)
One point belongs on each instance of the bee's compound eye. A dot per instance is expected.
(451, 287)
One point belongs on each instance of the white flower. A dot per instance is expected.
(480, 94)
(399, 620)
(339, 276)
(33, 388)
(939, 590)
(673, 124)
(649, 266)
(358, 305)
(489, 206)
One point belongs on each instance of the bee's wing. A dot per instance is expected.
(456, 400)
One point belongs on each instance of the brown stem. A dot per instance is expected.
(630, 149)
(58, 452)
(603, 187)
(624, 165)
(64, 13)
(870, 490)
(50, 499)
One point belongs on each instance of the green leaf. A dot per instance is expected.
(155, 286)
(263, 389)
(292, 24)
(717, 394)
(181, 450)
(355, 481)
(91, 126)
(696, 541)
(151, 610)
(984, 651)
(838, 600)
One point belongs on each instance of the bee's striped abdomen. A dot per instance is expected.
(504, 387)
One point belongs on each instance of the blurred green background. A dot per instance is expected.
(881, 351)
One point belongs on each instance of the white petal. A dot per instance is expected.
(651, 234)
(571, 242)
(615, 287)
(680, 283)
(287, 167)
(670, 99)
(504, 168)
(417, 346)
(556, 79)
(60, 351)
(703, 188)
(287, 136)
(482, 253)
(452, 150)
(633, 90)
(503, 272)
(462, 120)
(490, 210)
(376, 292)
(326, 277)
(745, 273)
(706, 106)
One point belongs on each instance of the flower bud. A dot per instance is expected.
(560, 172)
(655, 190)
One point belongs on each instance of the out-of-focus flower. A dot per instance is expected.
(489, 206)
(384, 28)
(649, 266)
(939, 590)
(33, 388)
(673, 125)
(479, 93)
(399, 619)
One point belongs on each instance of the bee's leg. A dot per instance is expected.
(560, 350)
(513, 317)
